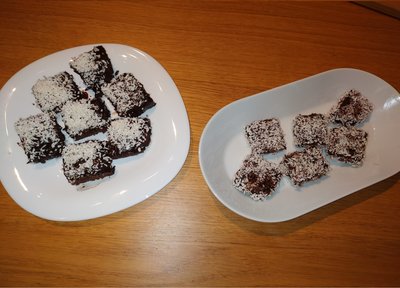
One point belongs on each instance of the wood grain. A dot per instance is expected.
(216, 52)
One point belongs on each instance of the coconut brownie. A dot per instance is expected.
(304, 166)
(94, 67)
(52, 92)
(40, 137)
(257, 177)
(87, 161)
(351, 109)
(128, 136)
(348, 144)
(265, 136)
(310, 129)
(84, 117)
(127, 95)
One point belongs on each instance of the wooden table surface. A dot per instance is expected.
(216, 52)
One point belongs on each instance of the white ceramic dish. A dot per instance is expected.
(43, 190)
(223, 145)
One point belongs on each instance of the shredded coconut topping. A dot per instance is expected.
(127, 95)
(129, 134)
(352, 108)
(79, 116)
(304, 166)
(94, 67)
(348, 144)
(265, 136)
(310, 130)
(257, 177)
(40, 137)
(85, 159)
(52, 92)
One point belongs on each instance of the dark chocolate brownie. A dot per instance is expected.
(128, 136)
(265, 136)
(40, 136)
(87, 161)
(351, 109)
(52, 92)
(310, 129)
(348, 144)
(85, 117)
(127, 95)
(257, 177)
(94, 67)
(304, 166)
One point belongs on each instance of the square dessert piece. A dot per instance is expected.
(257, 177)
(348, 144)
(94, 67)
(310, 129)
(128, 136)
(84, 117)
(351, 109)
(87, 161)
(52, 92)
(265, 136)
(40, 136)
(127, 95)
(304, 166)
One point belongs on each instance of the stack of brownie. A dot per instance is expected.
(66, 109)
(315, 135)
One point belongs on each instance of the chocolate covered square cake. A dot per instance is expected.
(40, 136)
(352, 108)
(87, 161)
(84, 117)
(52, 92)
(94, 67)
(265, 136)
(310, 129)
(257, 177)
(128, 136)
(347, 144)
(304, 166)
(127, 95)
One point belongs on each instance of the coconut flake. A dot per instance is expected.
(52, 92)
(127, 95)
(257, 177)
(304, 166)
(40, 137)
(81, 115)
(265, 136)
(129, 134)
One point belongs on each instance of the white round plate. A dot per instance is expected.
(223, 146)
(43, 190)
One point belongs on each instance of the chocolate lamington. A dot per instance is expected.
(85, 117)
(265, 136)
(52, 92)
(257, 177)
(310, 129)
(127, 95)
(41, 137)
(87, 161)
(94, 67)
(348, 144)
(352, 108)
(128, 136)
(304, 166)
